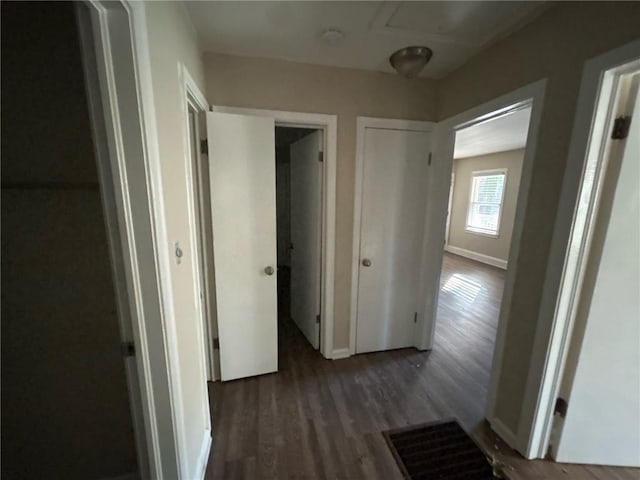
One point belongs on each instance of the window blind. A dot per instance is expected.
(485, 202)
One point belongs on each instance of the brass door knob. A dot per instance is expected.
(268, 270)
(366, 262)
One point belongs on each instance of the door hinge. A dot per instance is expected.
(318, 318)
(216, 344)
(204, 146)
(321, 156)
(415, 317)
(621, 128)
(128, 349)
(429, 158)
(561, 407)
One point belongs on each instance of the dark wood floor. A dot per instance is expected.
(320, 418)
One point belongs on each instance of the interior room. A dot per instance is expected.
(485, 179)
(347, 240)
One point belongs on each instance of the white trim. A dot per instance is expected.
(532, 94)
(90, 46)
(452, 190)
(120, 30)
(478, 257)
(329, 124)
(565, 265)
(339, 353)
(192, 96)
(203, 456)
(504, 432)
(395, 124)
(161, 246)
(480, 233)
(362, 123)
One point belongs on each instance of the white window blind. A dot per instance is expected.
(485, 201)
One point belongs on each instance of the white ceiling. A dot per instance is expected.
(501, 134)
(455, 31)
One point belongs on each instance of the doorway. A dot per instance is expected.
(584, 192)
(487, 166)
(299, 156)
(603, 358)
(197, 168)
(244, 176)
(70, 385)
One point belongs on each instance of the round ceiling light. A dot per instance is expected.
(410, 61)
(332, 35)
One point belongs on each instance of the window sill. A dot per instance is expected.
(482, 234)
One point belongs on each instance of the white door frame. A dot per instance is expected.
(123, 121)
(532, 94)
(571, 238)
(362, 123)
(108, 194)
(329, 125)
(447, 231)
(204, 280)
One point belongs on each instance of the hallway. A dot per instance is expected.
(320, 418)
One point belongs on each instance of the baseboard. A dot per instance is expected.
(505, 433)
(478, 257)
(340, 353)
(203, 458)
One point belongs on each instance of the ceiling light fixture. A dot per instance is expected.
(410, 61)
(332, 35)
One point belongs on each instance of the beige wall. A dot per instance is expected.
(279, 85)
(496, 247)
(173, 40)
(555, 46)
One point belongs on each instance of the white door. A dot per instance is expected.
(392, 230)
(306, 193)
(602, 424)
(243, 210)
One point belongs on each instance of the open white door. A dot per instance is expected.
(306, 194)
(602, 376)
(243, 210)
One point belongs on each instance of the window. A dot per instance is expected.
(485, 201)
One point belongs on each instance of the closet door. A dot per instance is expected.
(392, 231)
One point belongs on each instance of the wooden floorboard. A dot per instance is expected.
(323, 419)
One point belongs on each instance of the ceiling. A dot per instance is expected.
(501, 134)
(455, 31)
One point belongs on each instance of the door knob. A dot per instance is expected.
(268, 270)
(366, 262)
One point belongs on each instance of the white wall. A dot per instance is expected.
(173, 41)
(493, 250)
(602, 425)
